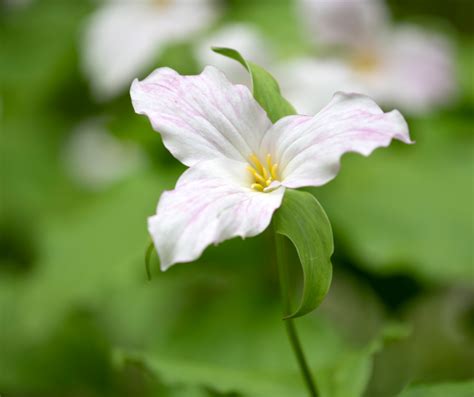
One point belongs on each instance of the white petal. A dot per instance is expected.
(123, 37)
(308, 149)
(212, 202)
(244, 37)
(309, 84)
(201, 117)
(352, 23)
(416, 70)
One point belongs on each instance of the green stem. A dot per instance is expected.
(282, 261)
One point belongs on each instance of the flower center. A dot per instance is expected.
(263, 173)
(365, 62)
(162, 3)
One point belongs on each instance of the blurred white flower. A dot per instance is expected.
(343, 22)
(309, 83)
(403, 66)
(247, 39)
(123, 37)
(95, 159)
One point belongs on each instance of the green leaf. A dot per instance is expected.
(111, 255)
(458, 389)
(265, 88)
(302, 219)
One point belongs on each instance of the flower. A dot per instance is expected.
(402, 66)
(95, 159)
(239, 162)
(247, 38)
(123, 37)
(349, 23)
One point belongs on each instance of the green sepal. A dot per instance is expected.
(265, 88)
(303, 221)
(148, 252)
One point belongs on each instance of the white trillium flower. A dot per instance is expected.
(250, 42)
(402, 66)
(349, 23)
(309, 83)
(239, 162)
(123, 37)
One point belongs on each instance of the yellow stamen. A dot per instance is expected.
(251, 169)
(273, 171)
(269, 161)
(263, 173)
(257, 186)
(257, 163)
(256, 175)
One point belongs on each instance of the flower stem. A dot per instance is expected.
(282, 262)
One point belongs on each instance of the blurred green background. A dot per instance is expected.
(79, 318)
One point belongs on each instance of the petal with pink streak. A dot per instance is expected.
(212, 202)
(309, 149)
(201, 117)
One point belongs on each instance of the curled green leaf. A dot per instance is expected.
(303, 221)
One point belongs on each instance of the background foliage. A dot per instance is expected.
(77, 316)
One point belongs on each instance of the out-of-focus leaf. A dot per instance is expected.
(409, 209)
(442, 320)
(353, 307)
(438, 348)
(76, 353)
(345, 376)
(302, 219)
(96, 248)
(225, 380)
(279, 21)
(236, 345)
(459, 389)
(349, 376)
(41, 95)
(39, 53)
(265, 88)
